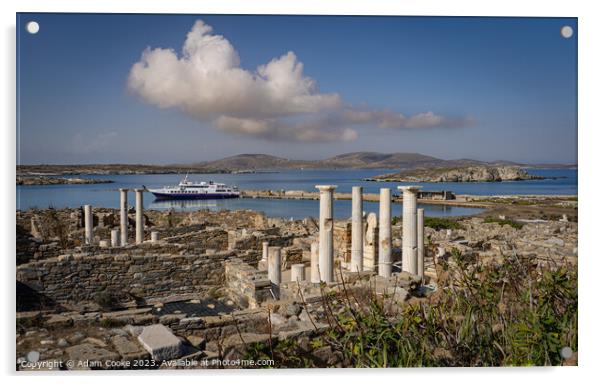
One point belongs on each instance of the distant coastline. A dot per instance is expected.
(44, 180)
(460, 175)
(260, 163)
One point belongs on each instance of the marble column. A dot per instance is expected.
(115, 238)
(315, 263)
(274, 265)
(297, 272)
(326, 233)
(264, 251)
(88, 224)
(420, 240)
(409, 236)
(154, 237)
(357, 230)
(371, 242)
(384, 233)
(139, 216)
(123, 210)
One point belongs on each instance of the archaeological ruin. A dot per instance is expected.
(99, 284)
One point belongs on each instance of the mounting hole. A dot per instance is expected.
(32, 27)
(566, 353)
(566, 31)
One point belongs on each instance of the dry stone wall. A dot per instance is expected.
(82, 277)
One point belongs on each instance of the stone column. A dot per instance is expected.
(264, 252)
(357, 230)
(274, 271)
(139, 216)
(115, 238)
(371, 242)
(384, 233)
(315, 263)
(123, 210)
(88, 224)
(326, 233)
(154, 237)
(420, 240)
(297, 272)
(409, 243)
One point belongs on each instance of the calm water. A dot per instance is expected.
(106, 195)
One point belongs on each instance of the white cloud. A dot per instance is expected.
(278, 130)
(207, 82)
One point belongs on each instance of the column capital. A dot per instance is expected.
(326, 187)
(409, 188)
(123, 189)
(138, 190)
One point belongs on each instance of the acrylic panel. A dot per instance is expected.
(277, 191)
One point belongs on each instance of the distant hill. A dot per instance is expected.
(261, 162)
(358, 160)
(254, 162)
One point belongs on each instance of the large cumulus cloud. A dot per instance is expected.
(274, 102)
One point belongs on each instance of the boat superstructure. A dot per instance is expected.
(187, 189)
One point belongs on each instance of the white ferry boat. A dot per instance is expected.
(196, 190)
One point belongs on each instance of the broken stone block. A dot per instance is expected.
(58, 321)
(197, 341)
(160, 342)
(128, 349)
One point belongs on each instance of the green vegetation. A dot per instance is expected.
(515, 314)
(502, 222)
(437, 223)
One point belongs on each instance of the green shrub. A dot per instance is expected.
(437, 223)
(513, 314)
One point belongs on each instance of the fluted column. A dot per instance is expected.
(420, 239)
(384, 233)
(123, 211)
(139, 216)
(357, 230)
(326, 233)
(88, 224)
(409, 235)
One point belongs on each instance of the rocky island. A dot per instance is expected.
(45, 180)
(461, 174)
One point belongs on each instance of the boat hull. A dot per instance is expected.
(193, 196)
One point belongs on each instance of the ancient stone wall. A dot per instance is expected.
(82, 277)
(247, 286)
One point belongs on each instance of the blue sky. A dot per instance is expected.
(482, 88)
